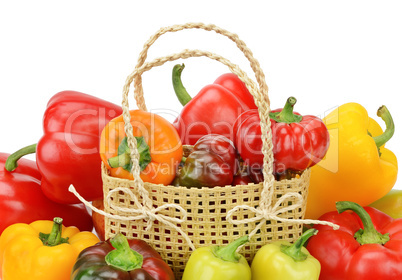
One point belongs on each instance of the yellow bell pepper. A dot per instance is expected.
(357, 166)
(282, 260)
(42, 250)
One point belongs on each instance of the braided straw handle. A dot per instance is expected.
(260, 97)
(255, 65)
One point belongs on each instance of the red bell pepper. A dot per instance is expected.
(68, 152)
(213, 110)
(367, 246)
(119, 258)
(22, 200)
(299, 141)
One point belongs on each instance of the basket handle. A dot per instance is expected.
(259, 98)
(254, 64)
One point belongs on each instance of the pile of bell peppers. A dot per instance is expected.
(227, 108)
(79, 127)
(367, 245)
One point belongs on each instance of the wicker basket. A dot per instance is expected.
(175, 220)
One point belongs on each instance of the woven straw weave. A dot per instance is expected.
(207, 209)
(206, 221)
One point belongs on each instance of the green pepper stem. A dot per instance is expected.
(179, 89)
(287, 115)
(367, 235)
(294, 251)
(55, 234)
(54, 237)
(119, 161)
(228, 252)
(383, 113)
(12, 160)
(123, 158)
(123, 257)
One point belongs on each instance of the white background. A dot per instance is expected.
(325, 53)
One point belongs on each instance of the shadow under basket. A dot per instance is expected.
(206, 222)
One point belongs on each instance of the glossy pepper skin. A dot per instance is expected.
(241, 179)
(299, 142)
(357, 166)
(218, 262)
(213, 110)
(42, 250)
(158, 144)
(120, 259)
(282, 260)
(390, 204)
(68, 152)
(368, 244)
(22, 200)
(211, 163)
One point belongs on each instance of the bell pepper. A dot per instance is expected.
(119, 258)
(68, 152)
(357, 166)
(22, 200)
(282, 260)
(368, 244)
(299, 142)
(158, 145)
(213, 110)
(242, 178)
(390, 204)
(98, 219)
(42, 250)
(218, 262)
(211, 163)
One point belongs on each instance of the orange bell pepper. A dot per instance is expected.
(44, 250)
(158, 144)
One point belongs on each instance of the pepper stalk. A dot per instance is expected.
(123, 257)
(368, 234)
(294, 251)
(228, 252)
(179, 89)
(380, 140)
(54, 237)
(286, 115)
(123, 158)
(12, 160)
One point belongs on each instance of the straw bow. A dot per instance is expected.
(265, 212)
(141, 212)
